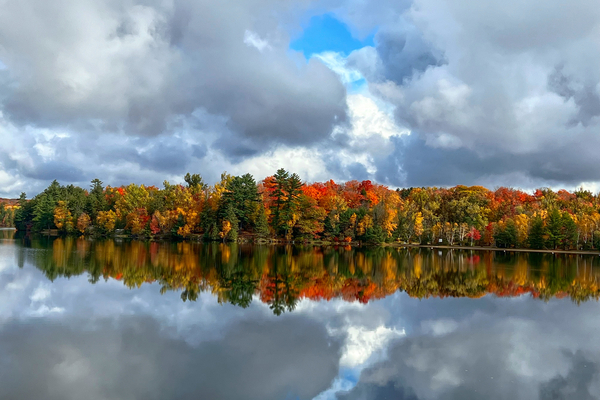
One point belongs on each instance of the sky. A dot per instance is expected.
(405, 93)
(105, 341)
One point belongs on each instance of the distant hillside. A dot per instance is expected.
(9, 202)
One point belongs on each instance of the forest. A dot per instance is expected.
(283, 208)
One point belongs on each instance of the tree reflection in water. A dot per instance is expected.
(282, 275)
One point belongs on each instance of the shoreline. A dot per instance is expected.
(485, 248)
(324, 243)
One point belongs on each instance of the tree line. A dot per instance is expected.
(283, 207)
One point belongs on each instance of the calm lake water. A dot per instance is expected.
(82, 319)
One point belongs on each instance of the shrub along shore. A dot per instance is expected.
(282, 208)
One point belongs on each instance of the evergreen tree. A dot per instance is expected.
(536, 233)
(262, 223)
(287, 194)
(280, 196)
(96, 200)
(24, 213)
(569, 231)
(195, 183)
(375, 235)
(511, 233)
(76, 199)
(43, 212)
(242, 195)
(231, 217)
(506, 236)
(555, 228)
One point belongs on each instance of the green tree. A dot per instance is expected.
(262, 223)
(506, 236)
(24, 214)
(570, 234)
(45, 203)
(195, 183)
(555, 228)
(536, 233)
(231, 218)
(241, 195)
(76, 199)
(96, 200)
(285, 207)
(375, 235)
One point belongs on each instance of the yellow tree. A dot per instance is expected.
(83, 222)
(62, 217)
(131, 199)
(391, 202)
(106, 220)
(522, 225)
(365, 223)
(418, 225)
(225, 229)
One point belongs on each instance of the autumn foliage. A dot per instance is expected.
(283, 207)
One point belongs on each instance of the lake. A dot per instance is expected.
(109, 319)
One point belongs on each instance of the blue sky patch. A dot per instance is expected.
(326, 33)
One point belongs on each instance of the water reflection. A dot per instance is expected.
(133, 359)
(282, 275)
(426, 338)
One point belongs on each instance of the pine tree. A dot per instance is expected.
(234, 222)
(285, 208)
(96, 201)
(555, 228)
(262, 223)
(536, 233)
(569, 231)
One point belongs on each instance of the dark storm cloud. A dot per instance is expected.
(135, 358)
(415, 163)
(352, 171)
(358, 171)
(199, 151)
(58, 170)
(585, 96)
(135, 66)
(168, 157)
(404, 53)
(576, 385)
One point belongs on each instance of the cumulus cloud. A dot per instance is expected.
(134, 66)
(146, 90)
(152, 68)
(507, 86)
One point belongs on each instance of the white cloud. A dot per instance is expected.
(370, 116)
(252, 39)
(308, 163)
(44, 311)
(41, 293)
(362, 343)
